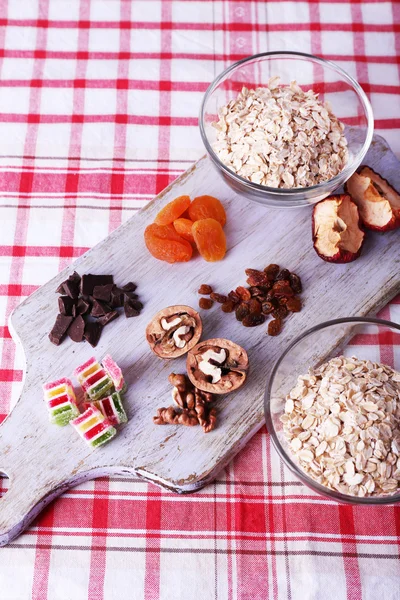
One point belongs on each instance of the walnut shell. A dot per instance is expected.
(162, 342)
(233, 369)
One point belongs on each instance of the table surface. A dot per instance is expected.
(98, 112)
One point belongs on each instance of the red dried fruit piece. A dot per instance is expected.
(218, 297)
(274, 327)
(172, 211)
(272, 271)
(243, 293)
(205, 207)
(377, 201)
(280, 312)
(164, 243)
(205, 303)
(255, 277)
(228, 306)
(210, 239)
(205, 289)
(242, 311)
(283, 274)
(295, 283)
(282, 288)
(254, 306)
(253, 320)
(294, 305)
(183, 227)
(267, 308)
(234, 297)
(337, 235)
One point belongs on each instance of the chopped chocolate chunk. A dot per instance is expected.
(117, 297)
(89, 282)
(113, 314)
(93, 332)
(131, 309)
(59, 330)
(76, 329)
(129, 287)
(60, 289)
(103, 292)
(99, 308)
(65, 305)
(71, 288)
(130, 296)
(82, 307)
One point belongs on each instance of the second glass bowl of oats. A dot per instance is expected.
(332, 408)
(280, 143)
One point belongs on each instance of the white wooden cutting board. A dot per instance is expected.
(43, 460)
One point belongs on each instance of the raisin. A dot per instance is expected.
(243, 293)
(283, 300)
(295, 283)
(267, 308)
(280, 312)
(205, 303)
(242, 311)
(272, 271)
(210, 239)
(282, 288)
(234, 297)
(254, 306)
(283, 274)
(258, 291)
(294, 304)
(218, 297)
(228, 306)
(207, 207)
(173, 210)
(205, 289)
(164, 243)
(274, 327)
(183, 227)
(253, 320)
(257, 278)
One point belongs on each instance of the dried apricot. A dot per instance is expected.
(183, 227)
(207, 207)
(210, 239)
(164, 243)
(172, 211)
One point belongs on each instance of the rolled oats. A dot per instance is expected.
(342, 423)
(280, 136)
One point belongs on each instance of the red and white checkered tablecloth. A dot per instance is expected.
(98, 112)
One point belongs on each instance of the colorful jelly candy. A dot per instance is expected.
(111, 407)
(61, 402)
(95, 381)
(114, 372)
(93, 427)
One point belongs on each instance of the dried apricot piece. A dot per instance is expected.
(173, 210)
(164, 243)
(210, 239)
(183, 227)
(207, 207)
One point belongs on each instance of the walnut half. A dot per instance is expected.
(173, 331)
(218, 366)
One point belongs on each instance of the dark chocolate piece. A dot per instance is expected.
(99, 308)
(82, 307)
(65, 305)
(60, 289)
(89, 282)
(76, 329)
(59, 330)
(117, 297)
(130, 296)
(130, 309)
(73, 279)
(108, 317)
(129, 287)
(136, 304)
(103, 292)
(71, 288)
(93, 332)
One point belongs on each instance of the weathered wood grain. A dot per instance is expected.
(43, 460)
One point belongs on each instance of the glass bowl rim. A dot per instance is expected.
(340, 177)
(284, 456)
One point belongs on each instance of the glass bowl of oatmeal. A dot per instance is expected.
(332, 408)
(285, 129)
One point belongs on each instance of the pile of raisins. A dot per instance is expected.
(273, 291)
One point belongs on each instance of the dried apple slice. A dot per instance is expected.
(378, 202)
(337, 235)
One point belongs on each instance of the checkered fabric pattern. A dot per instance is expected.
(98, 112)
